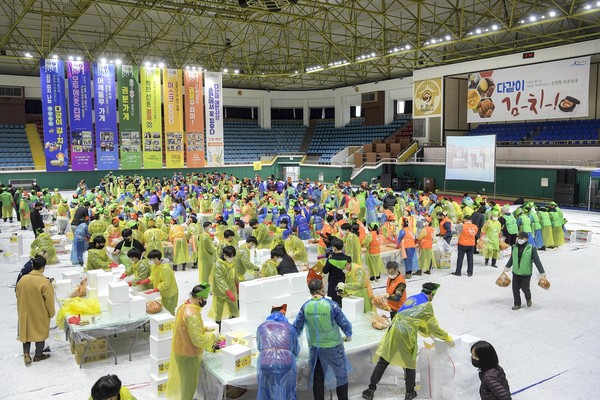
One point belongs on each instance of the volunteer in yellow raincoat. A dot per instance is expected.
(192, 233)
(244, 267)
(180, 248)
(163, 280)
(352, 243)
(110, 387)
(294, 246)
(491, 229)
(399, 345)
(140, 269)
(261, 233)
(269, 267)
(97, 256)
(357, 284)
(373, 254)
(224, 286)
(97, 227)
(190, 339)
(153, 237)
(206, 253)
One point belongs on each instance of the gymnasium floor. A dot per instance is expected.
(557, 338)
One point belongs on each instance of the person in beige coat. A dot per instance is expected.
(35, 306)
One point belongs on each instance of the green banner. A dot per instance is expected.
(128, 96)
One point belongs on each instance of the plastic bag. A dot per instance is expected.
(380, 322)
(381, 303)
(480, 243)
(503, 280)
(80, 290)
(503, 245)
(544, 283)
(77, 306)
(153, 307)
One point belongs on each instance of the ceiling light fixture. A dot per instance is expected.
(28, 55)
(147, 63)
(161, 65)
(103, 61)
(55, 57)
(225, 70)
(118, 61)
(494, 27)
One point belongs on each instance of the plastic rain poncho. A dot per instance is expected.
(98, 259)
(192, 232)
(357, 284)
(491, 241)
(262, 237)
(324, 319)
(163, 279)
(352, 248)
(180, 247)
(269, 268)
(206, 257)
(44, 243)
(223, 281)
(79, 243)
(189, 342)
(153, 238)
(277, 342)
(244, 268)
(97, 227)
(140, 271)
(294, 246)
(399, 345)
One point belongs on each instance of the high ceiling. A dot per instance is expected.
(271, 44)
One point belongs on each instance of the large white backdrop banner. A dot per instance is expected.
(471, 158)
(556, 89)
(213, 92)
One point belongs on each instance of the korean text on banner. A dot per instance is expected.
(80, 115)
(151, 117)
(128, 93)
(556, 89)
(194, 119)
(214, 118)
(172, 100)
(427, 98)
(52, 78)
(105, 108)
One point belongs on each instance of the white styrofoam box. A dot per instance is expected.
(235, 358)
(160, 348)
(103, 280)
(62, 288)
(263, 254)
(467, 340)
(92, 293)
(353, 307)
(150, 297)
(137, 306)
(250, 311)
(118, 311)
(274, 285)
(251, 326)
(103, 300)
(251, 291)
(298, 282)
(74, 276)
(159, 366)
(24, 258)
(239, 336)
(211, 326)
(158, 385)
(161, 325)
(232, 324)
(118, 292)
(296, 301)
(93, 277)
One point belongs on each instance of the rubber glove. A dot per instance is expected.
(123, 276)
(543, 276)
(150, 291)
(450, 342)
(230, 294)
(143, 282)
(129, 283)
(347, 339)
(340, 286)
(113, 265)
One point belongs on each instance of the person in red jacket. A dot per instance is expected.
(466, 245)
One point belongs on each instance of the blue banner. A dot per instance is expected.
(52, 77)
(80, 115)
(105, 111)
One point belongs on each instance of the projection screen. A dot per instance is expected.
(471, 158)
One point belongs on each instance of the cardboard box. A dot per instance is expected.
(161, 325)
(583, 236)
(62, 288)
(159, 367)
(358, 160)
(94, 346)
(160, 348)
(570, 236)
(118, 311)
(368, 148)
(74, 276)
(233, 324)
(80, 359)
(137, 306)
(251, 291)
(239, 336)
(298, 283)
(384, 154)
(235, 358)
(118, 292)
(380, 147)
(353, 307)
(158, 385)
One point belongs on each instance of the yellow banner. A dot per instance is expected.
(173, 103)
(257, 166)
(151, 117)
(427, 97)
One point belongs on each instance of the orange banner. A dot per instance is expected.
(194, 119)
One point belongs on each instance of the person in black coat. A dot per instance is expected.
(80, 214)
(287, 264)
(335, 268)
(37, 223)
(478, 218)
(494, 385)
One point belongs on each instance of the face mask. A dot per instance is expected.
(494, 218)
(475, 362)
(228, 259)
(521, 241)
(393, 276)
(202, 302)
(100, 247)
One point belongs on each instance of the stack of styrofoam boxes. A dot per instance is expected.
(239, 336)
(298, 292)
(235, 358)
(118, 300)
(137, 306)
(97, 286)
(261, 256)
(62, 288)
(161, 335)
(353, 307)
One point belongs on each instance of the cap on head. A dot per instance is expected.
(282, 309)
(287, 233)
(430, 288)
(523, 235)
(201, 291)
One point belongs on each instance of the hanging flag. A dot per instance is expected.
(194, 119)
(151, 118)
(129, 116)
(173, 111)
(214, 117)
(52, 78)
(80, 115)
(105, 111)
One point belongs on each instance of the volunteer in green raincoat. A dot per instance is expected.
(294, 246)
(190, 339)
(269, 267)
(97, 256)
(261, 234)
(163, 280)
(44, 243)
(352, 243)
(192, 233)
(491, 248)
(244, 268)
(140, 269)
(224, 286)
(399, 345)
(357, 284)
(97, 227)
(206, 253)
(558, 220)
(153, 237)
(180, 245)
(546, 223)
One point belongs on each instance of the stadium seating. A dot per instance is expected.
(328, 140)
(15, 150)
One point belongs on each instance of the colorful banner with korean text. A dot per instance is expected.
(427, 98)
(128, 94)
(80, 115)
(173, 112)
(194, 119)
(215, 152)
(105, 112)
(556, 89)
(52, 78)
(151, 117)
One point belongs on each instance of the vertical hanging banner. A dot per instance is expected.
(105, 111)
(194, 119)
(80, 115)
(129, 116)
(151, 118)
(172, 100)
(52, 78)
(213, 82)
